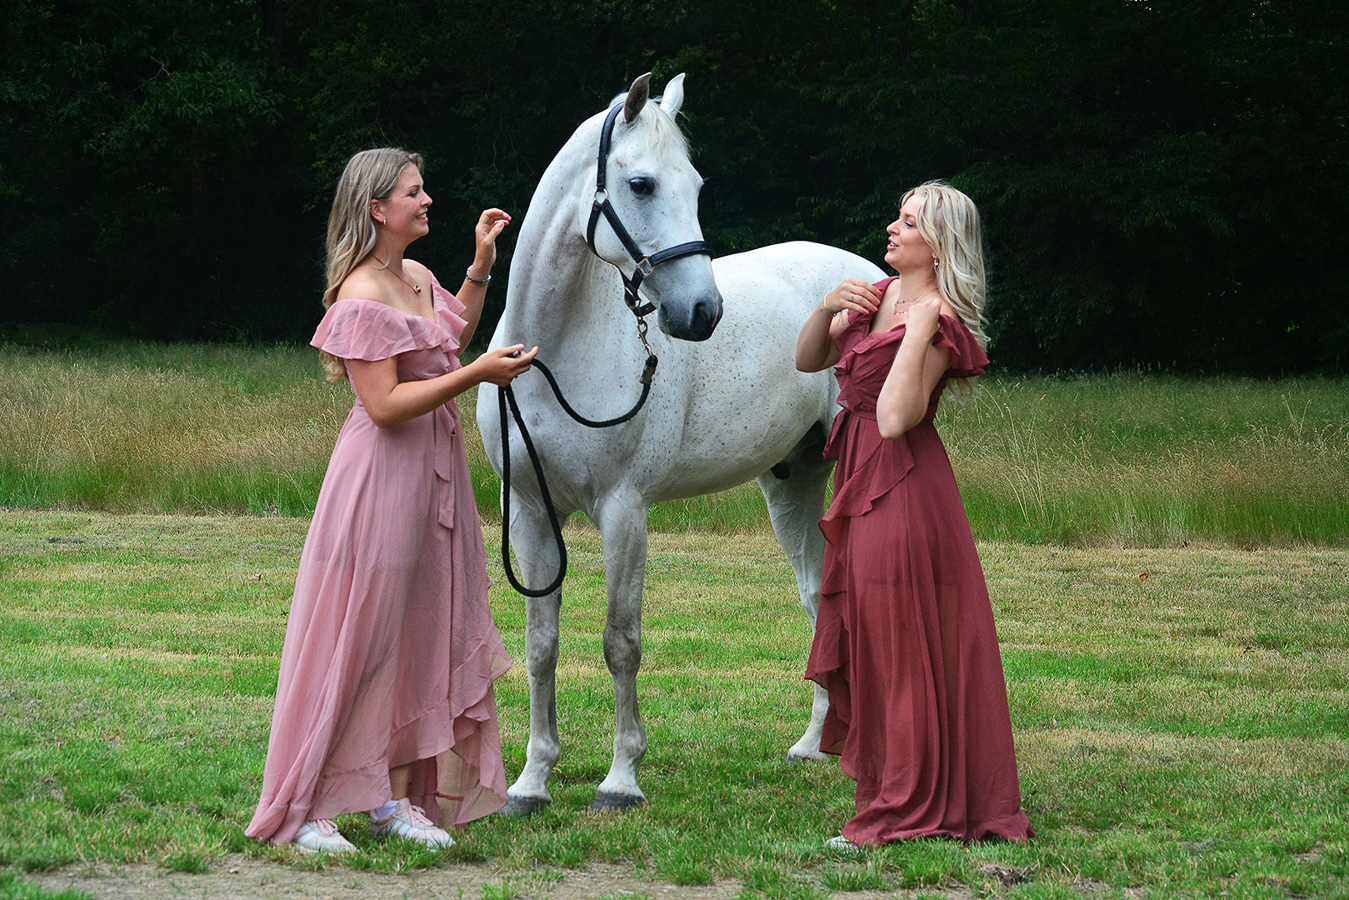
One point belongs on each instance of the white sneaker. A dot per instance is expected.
(839, 842)
(408, 821)
(322, 836)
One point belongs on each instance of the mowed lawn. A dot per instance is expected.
(1181, 714)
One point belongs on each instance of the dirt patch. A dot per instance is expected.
(242, 876)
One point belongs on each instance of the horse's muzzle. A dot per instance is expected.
(693, 322)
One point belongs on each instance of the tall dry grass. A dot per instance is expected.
(145, 428)
(1127, 459)
(1134, 459)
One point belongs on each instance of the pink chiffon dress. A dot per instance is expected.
(390, 653)
(904, 641)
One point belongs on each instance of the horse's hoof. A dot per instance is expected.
(794, 756)
(606, 802)
(805, 757)
(523, 807)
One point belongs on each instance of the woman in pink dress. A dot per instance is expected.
(904, 640)
(385, 698)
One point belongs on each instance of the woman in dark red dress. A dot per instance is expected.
(905, 641)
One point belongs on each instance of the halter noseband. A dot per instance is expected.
(644, 263)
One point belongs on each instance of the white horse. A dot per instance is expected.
(724, 407)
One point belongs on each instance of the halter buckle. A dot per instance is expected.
(645, 267)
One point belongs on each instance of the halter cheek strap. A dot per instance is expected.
(644, 264)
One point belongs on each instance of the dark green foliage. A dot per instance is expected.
(1161, 181)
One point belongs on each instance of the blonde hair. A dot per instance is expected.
(949, 221)
(352, 232)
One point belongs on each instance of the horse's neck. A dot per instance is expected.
(559, 290)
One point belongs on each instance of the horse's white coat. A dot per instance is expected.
(721, 411)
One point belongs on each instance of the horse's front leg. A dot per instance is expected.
(623, 531)
(532, 538)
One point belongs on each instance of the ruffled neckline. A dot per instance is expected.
(967, 357)
(445, 307)
(362, 328)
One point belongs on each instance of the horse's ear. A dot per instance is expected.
(638, 94)
(674, 95)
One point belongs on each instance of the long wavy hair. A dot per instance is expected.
(949, 221)
(352, 231)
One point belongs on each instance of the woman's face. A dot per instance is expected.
(907, 251)
(404, 211)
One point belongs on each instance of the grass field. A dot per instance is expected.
(1182, 716)
(1124, 460)
(1168, 558)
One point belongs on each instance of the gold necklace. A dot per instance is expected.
(913, 301)
(416, 288)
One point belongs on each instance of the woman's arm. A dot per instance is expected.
(389, 401)
(471, 293)
(914, 374)
(815, 349)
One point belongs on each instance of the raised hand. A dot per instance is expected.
(920, 319)
(859, 296)
(485, 233)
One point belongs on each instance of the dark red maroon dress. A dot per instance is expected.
(904, 640)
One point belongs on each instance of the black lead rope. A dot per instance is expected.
(506, 397)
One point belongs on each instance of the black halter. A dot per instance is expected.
(644, 263)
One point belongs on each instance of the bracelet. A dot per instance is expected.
(468, 273)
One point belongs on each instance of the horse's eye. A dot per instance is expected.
(643, 186)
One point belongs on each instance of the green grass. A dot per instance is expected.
(1124, 460)
(1180, 714)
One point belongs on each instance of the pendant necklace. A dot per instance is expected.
(416, 288)
(913, 301)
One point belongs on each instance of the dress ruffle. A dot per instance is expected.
(878, 465)
(370, 330)
(968, 359)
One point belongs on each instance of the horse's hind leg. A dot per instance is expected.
(795, 505)
(623, 531)
(534, 545)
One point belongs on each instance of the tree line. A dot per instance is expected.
(1162, 181)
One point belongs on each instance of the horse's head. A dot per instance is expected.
(649, 227)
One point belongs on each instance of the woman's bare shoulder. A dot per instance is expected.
(361, 284)
(421, 271)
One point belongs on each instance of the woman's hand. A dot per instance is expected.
(859, 296)
(921, 319)
(503, 365)
(490, 225)
(815, 348)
